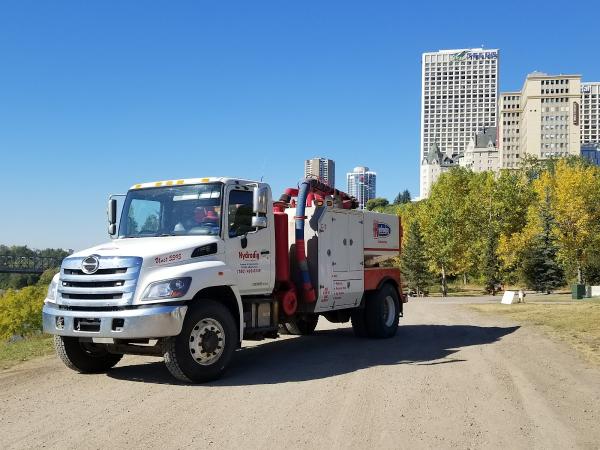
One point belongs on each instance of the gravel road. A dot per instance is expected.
(450, 378)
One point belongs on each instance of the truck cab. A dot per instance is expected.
(194, 267)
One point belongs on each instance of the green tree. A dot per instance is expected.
(402, 197)
(378, 202)
(591, 269)
(541, 268)
(413, 262)
(491, 264)
(444, 218)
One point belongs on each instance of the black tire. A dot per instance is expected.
(302, 325)
(381, 320)
(84, 357)
(359, 323)
(206, 326)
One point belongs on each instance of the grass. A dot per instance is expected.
(16, 352)
(576, 323)
(457, 289)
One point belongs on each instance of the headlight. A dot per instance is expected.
(174, 288)
(51, 295)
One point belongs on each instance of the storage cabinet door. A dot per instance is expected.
(339, 242)
(355, 242)
(346, 293)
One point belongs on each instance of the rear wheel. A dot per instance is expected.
(84, 356)
(382, 312)
(203, 349)
(302, 325)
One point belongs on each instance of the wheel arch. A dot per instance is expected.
(229, 297)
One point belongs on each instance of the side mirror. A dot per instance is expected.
(259, 222)
(260, 200)
(112, 216)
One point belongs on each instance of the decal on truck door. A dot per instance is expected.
(249, 263)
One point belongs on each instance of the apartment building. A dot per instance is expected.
(322, 169)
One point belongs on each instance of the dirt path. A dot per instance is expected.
(450, 378)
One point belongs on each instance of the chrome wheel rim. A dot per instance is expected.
(389, 311)
(207, 341)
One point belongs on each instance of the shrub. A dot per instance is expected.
(21, 311)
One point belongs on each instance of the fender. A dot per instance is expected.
(205, 274)
(377, 276)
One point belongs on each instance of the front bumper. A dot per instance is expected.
(145, 322)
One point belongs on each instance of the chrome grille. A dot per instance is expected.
(113, 284)
(98, 272)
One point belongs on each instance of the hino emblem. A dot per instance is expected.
(90, 264)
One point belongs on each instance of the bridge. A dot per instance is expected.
(27, 264)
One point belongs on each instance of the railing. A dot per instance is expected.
(27, 264)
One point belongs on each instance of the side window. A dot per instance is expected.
(240, 213)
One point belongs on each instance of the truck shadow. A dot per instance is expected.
(332, 352)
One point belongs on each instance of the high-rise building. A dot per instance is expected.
(509, 125)
(590, 113)
(458, 100)
(322, 169)
(550, 117)
(543, 119)
(362, 185)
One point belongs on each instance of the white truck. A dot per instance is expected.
(197, 265)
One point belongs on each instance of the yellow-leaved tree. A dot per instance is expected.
(575, 200)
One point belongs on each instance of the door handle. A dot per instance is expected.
(265, 252)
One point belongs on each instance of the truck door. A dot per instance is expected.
(248, 250)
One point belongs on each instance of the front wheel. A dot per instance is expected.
(83, 356)
(203, 349)
(382, 312)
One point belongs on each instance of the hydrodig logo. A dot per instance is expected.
(251, 256)
(381, 230)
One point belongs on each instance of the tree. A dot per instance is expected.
(413, 262)
(591, 269)
(402, 197)
(491, 264)
(575, 192)
(444, 218)
(378, 202)
(541, 269)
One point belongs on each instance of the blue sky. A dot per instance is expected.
(98, 95)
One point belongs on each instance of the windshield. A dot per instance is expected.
(172, 211)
